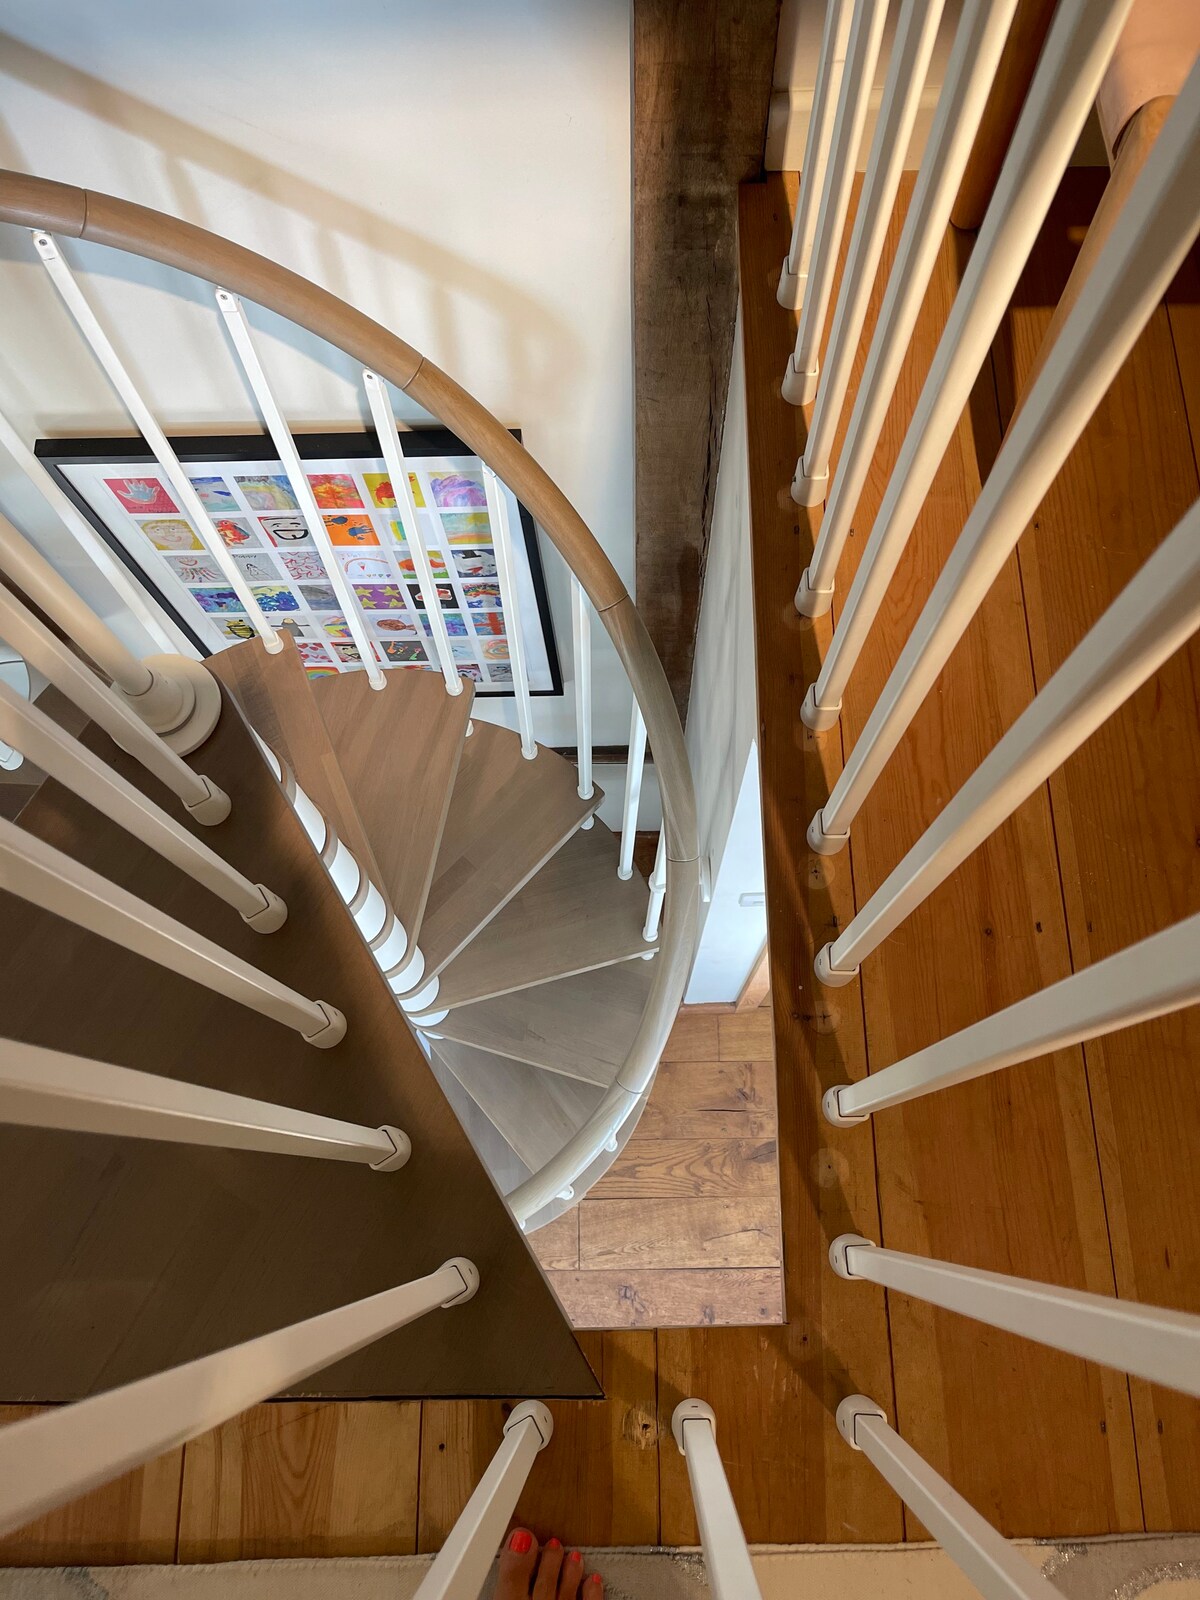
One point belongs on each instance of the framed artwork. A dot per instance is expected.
(127, 497)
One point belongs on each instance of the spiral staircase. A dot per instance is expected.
(494, 992)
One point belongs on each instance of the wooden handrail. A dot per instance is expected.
(61, 208)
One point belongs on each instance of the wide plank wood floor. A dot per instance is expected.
(1080, 1167)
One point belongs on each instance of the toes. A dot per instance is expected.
(593, 1589)
(517, 1561)
(545, 1585)
(572, 1576)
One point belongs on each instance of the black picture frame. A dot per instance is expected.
(56, 454)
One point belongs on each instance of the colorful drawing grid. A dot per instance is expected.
(256, 515)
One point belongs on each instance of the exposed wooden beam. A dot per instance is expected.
(701, 89)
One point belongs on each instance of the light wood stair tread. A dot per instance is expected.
(507, 817)
(503, 1163)
(581, 1026)
(398, 750)
(173, 1250)
(571, 917)
(275, 695)
(535, 1111)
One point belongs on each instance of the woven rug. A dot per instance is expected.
(1167, 1568)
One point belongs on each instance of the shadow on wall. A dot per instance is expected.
(306, 219)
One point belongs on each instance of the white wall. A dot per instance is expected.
(460, 172)
(723, 723)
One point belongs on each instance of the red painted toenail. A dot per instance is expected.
(553, 1544)
(520, 1542)
(595, 1578)
(574, 1556)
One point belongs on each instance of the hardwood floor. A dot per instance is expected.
(1079, 1167)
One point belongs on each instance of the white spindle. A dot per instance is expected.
(978, 42)
(726, 1556)
(461, 1566)
(581, 627)
(52, 1458)
(35, 871)
(234, 317)
(831, 64)
(1149, 979)
(634, 768)
(189, 501)
(1150, 1342)
(173, 695)
(1060, 97)
(133, 597)
(200, 796)
(916, 33)
(658, 890)
(866, 33)
(506, 576)
(1156, 228)
(1153, 616)
(40, 739)
(988, 1560)
(384, 419)
(49, 1089)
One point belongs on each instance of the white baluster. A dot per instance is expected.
(1153, 616)
(42, 741)
(35, 871)
(658, 890)
(507, 577)
(916, 34)
(1064, 86)
(635, 766)
(1149, 979)
(200, 796)
(234, 317)
(133, 597)
(581, 627)
(49, 1089)
(49, 1459)
(189, 501)
(1151, 237)
(988, 1560)
(831, 64)
(1148, 1342)
(978, 42)
(384, 419)
(726, 1556)
(461, 1566)
(866, 33)
(173, 695)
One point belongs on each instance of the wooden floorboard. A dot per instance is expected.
(1127, 805)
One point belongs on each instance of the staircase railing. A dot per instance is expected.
(1137, 246)
(55, 210)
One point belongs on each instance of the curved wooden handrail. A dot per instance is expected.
(60, 208)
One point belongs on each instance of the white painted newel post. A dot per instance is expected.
(50, 1459)
(730, 1573)
(461, 1566)
(987, 1559)
(1150, 1342)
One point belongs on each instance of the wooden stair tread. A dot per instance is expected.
(507, 817)
(125, 1256)
(398, 750)
(507, 1169)
(571, 917)
(535, 1111)
(581, 1026)
(276, 698)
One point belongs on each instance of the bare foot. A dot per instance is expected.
(549, 1574)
